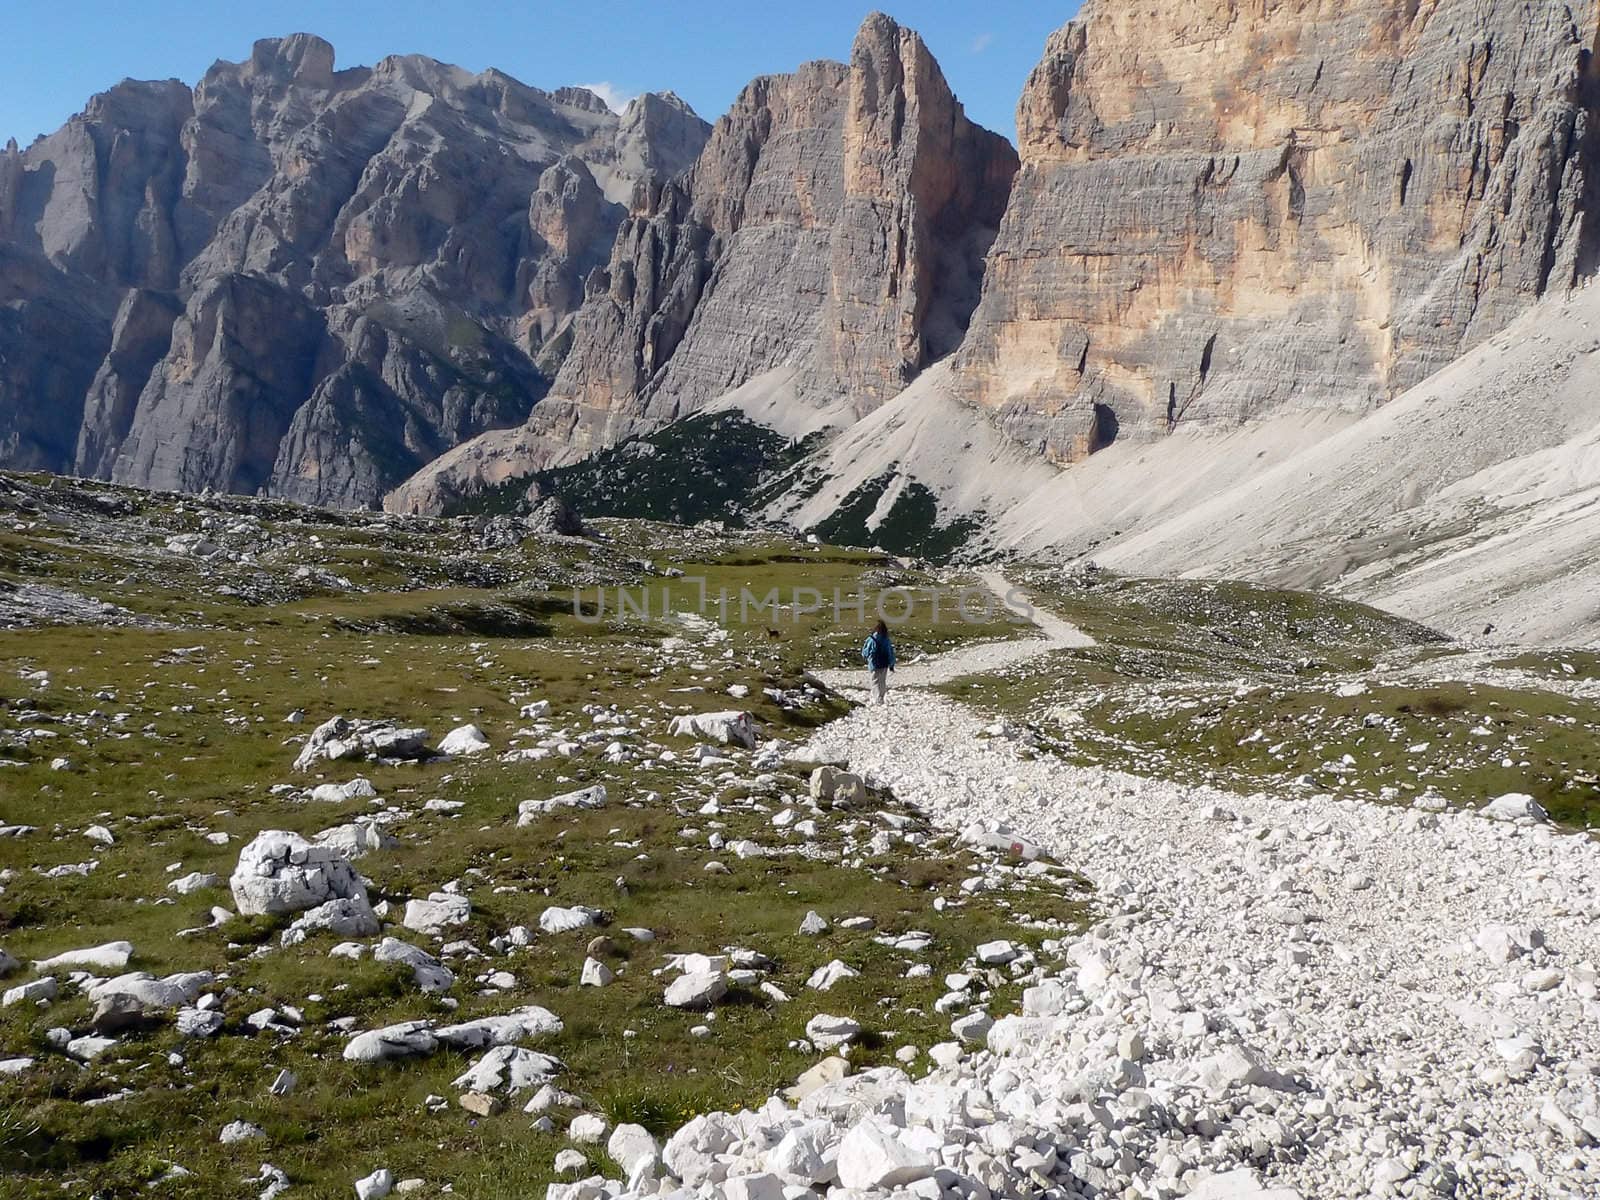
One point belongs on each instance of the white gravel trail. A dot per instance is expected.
(1283, 999)
(981, 657)
(1335, 938)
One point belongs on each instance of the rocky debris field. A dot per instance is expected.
(1335, 997)
(440, 870)
(405, 884)
(1286, 997)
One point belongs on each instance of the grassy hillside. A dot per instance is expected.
(165, 720)
(1250, 687)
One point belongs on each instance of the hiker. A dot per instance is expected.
(878, 652)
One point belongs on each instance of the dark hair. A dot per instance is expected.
(882, 628)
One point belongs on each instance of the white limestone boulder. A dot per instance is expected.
(825, 977)
(359, 788)
(509, 1068)
(330, 740)
(356, 839)
(426, 971)
(692, 1152)
(972, 1029)
(831, 785)
(194, 881)
(872, 1156)
(1505, 943)
(281, 872)
(199, 1023)
(346, 918)
(631, 1145)
(808, 1152)
(724, 728)
(168, 992)
(1517, 808)
(530, 811)
(407, 1039)
(35, 991)
(439, 913)
(697, 991)
(112, 956)
(825, 1031)
(463, 741)
(240, 1131)
(521, 1025)
(587, 1129)
(558, 919)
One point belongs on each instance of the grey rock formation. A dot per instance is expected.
(141, 335)
(304, 280)
(833, 228)
(54, 331)
(243, 357)
(326, 283)
(401, 396)
(1224, 213)
(281, 872)
(549, 514)
(576, 225)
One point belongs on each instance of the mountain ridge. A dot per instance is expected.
(408, 236)
(835, 224)
(1221, 215)
(1231, 233)
(1313, 206)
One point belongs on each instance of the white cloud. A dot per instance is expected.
(616, 99)
(981, 42)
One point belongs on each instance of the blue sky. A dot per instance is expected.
(60, 52)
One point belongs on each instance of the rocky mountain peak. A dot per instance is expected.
(908, 144)
(580, 97)
(1220, 214)
(668, 99)
(887, 60)
(658, 135)
(828, 241)
(300, 58)
(303, 280)
(136, 102)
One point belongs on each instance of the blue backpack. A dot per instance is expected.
(878, 653)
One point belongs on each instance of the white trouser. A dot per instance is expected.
(880, 684)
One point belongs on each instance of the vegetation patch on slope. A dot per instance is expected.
(910, 527)
(707, 467)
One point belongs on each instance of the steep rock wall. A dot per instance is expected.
(834, 225)
(1232, 207)
(457, 213)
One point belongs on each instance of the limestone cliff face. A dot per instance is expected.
(141, 335)
(924, 192)
(836, 223)
(322, 282)
(399, 248)
(243, 357)
(1227, 207)
(46, 319)
(834, 226)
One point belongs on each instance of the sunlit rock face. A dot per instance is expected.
(304, 280)
(1227, 209)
